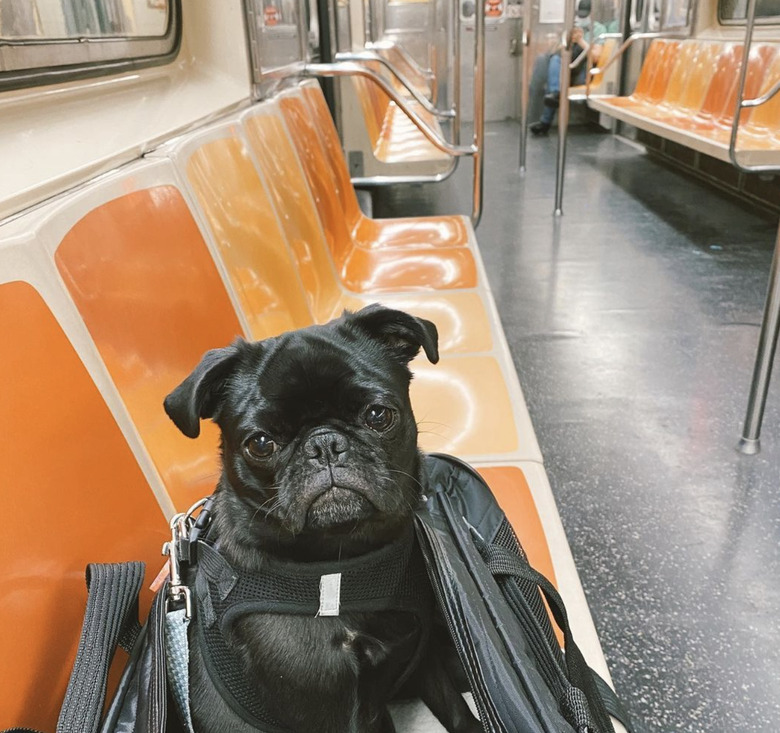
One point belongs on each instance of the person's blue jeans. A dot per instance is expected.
(554, 84)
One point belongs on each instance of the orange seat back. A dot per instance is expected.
(656, 69)
(74, 494)
(289, 190)
(720, 90)
(607, 49)
(765, 117)
(693, 72)
(698, 72)
(147, 288)
(321, 178)
(329, 137)
(251, 239)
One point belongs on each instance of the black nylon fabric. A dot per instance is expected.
(392, 578)
(559, 691)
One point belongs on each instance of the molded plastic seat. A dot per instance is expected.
(153, 300)
(147, 289)
(394, 137)
(393, 54)
(361, 269)
(698, 105)
(607, 49)
(764, 121)
(435, 231)
(73, 493)
(653, 78)
(238, 206)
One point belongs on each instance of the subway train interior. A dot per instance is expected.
(582, 196)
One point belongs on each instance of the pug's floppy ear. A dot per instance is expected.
(403, 333)
(198, 395)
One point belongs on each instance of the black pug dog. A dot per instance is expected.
(320, 463)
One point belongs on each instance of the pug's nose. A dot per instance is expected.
(325, 447)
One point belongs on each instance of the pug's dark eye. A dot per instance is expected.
(259, 447)
(378, 417)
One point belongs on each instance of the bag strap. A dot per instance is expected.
(502, 562)
(111, 615)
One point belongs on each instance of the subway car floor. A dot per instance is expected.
(633, 323)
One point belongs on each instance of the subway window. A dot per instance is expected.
(735, 11)
(45, 41)
(676, 14)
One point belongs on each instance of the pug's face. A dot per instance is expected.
(318, 434)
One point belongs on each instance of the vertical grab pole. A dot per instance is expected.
(525, 91)
(563, 109)
(456, 97)
(479, 110)
(750, 442)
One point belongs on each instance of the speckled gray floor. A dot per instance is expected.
(633, 323)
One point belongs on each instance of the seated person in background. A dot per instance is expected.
(586, 47)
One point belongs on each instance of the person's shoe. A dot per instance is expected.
(539, 128)
(552, 100)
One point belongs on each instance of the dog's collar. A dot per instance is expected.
(392, 578)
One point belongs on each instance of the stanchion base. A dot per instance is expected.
(748, 446)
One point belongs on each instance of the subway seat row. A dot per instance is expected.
(687, 92)
(110, 294)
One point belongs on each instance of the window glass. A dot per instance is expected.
(736, 10)
(49, 20)
(676, 14)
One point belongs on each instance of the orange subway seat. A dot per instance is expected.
(689, 82)
(360, 269)
(607, 49)
(510, 487)
(262, 270)
(714, 106)
(763, 124)
(434, 231)
(394, 138)
(653, 78)
(147, 288)
(462, 406)
(75, 495)
(698, 87)
(254, 224)
(393, 55)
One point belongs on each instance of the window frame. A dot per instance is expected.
(741, 22)
(32, 62)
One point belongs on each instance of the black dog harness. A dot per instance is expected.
(392, 578)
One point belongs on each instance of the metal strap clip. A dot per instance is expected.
(177, 551)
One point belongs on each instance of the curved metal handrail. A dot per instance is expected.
(629, 42)
(577, 61)
(387, 45)
(350, 68)
(371, 56)
(742, 103)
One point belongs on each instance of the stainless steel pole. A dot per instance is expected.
(525, 83)
(456, 96)
(563, 108)
(750, 442)
(767, 344)
(479, 111)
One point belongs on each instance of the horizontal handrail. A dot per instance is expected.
(630, 41)
(574, 64)
(371, 56)
(763, 99)
(387, 45)
(350, 68)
